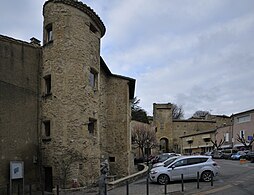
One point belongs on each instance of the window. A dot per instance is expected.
(47, 80)
(93, 28)
(49, 33)
(192, 161)
(242, 119)
(112, 159)
(92, 126)
(181, 163)
(242, 134)
(46, 127)
(226, 136)
(93, 78)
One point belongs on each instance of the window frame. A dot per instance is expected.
(92, 124)
(93, 78)
(47, 128)
(49, 33)
(47, 84)
(244, 119)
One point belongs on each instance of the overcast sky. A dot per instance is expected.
(194, 53)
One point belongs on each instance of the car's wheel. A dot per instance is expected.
(207, 176)
(163, 179)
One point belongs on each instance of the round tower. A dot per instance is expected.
(70, 92)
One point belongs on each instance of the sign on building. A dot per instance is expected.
(17, 172)
(16, 169)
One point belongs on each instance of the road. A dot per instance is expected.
(234, 179)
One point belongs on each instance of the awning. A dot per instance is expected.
(192, 147)
(189, 139)
(206, 136)
(238, 145)
(226, 146)
(205, 146)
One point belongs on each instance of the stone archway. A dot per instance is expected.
(164, 145)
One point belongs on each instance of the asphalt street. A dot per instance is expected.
(234, 179)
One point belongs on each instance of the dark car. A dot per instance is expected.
(250, 156)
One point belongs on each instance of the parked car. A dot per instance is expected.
(209, 153)
(226, 154)
(188, 166)
(238, 155)
(166, 162)
(162, 157)
(217, 154)
(250, 156)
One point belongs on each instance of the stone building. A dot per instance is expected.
(19, 107)
(61, 103)
(172, 133)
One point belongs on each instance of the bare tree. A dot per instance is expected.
(216, 145)
(144, 137)
(64, 161)
(247, 143)
(200, 114)
(177, 111)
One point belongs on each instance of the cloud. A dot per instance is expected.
(196, 54)
(21, 19)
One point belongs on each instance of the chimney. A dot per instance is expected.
(35, 41)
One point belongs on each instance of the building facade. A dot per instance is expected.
(178, 135)
(242, 127)
(62, 103)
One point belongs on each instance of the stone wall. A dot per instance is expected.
(60, 104)
(70, 57)
(118, 135)
(19, 74)
(172, 129)
(163, 122)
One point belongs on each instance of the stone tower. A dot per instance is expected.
(163, 123)
(70, 92)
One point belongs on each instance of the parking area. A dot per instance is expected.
(235, 178)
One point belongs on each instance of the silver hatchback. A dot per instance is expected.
(189, 166)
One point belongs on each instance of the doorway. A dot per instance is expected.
(48, 179)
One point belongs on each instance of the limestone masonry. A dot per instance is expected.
(62, 111)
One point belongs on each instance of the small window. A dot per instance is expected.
(226, 137)
(242, 134)
(243, 119)
(93, 78)
(46, 125)
(49, 33)
(93, 28)
(91, 126)
(47, 80)
(112, 159)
